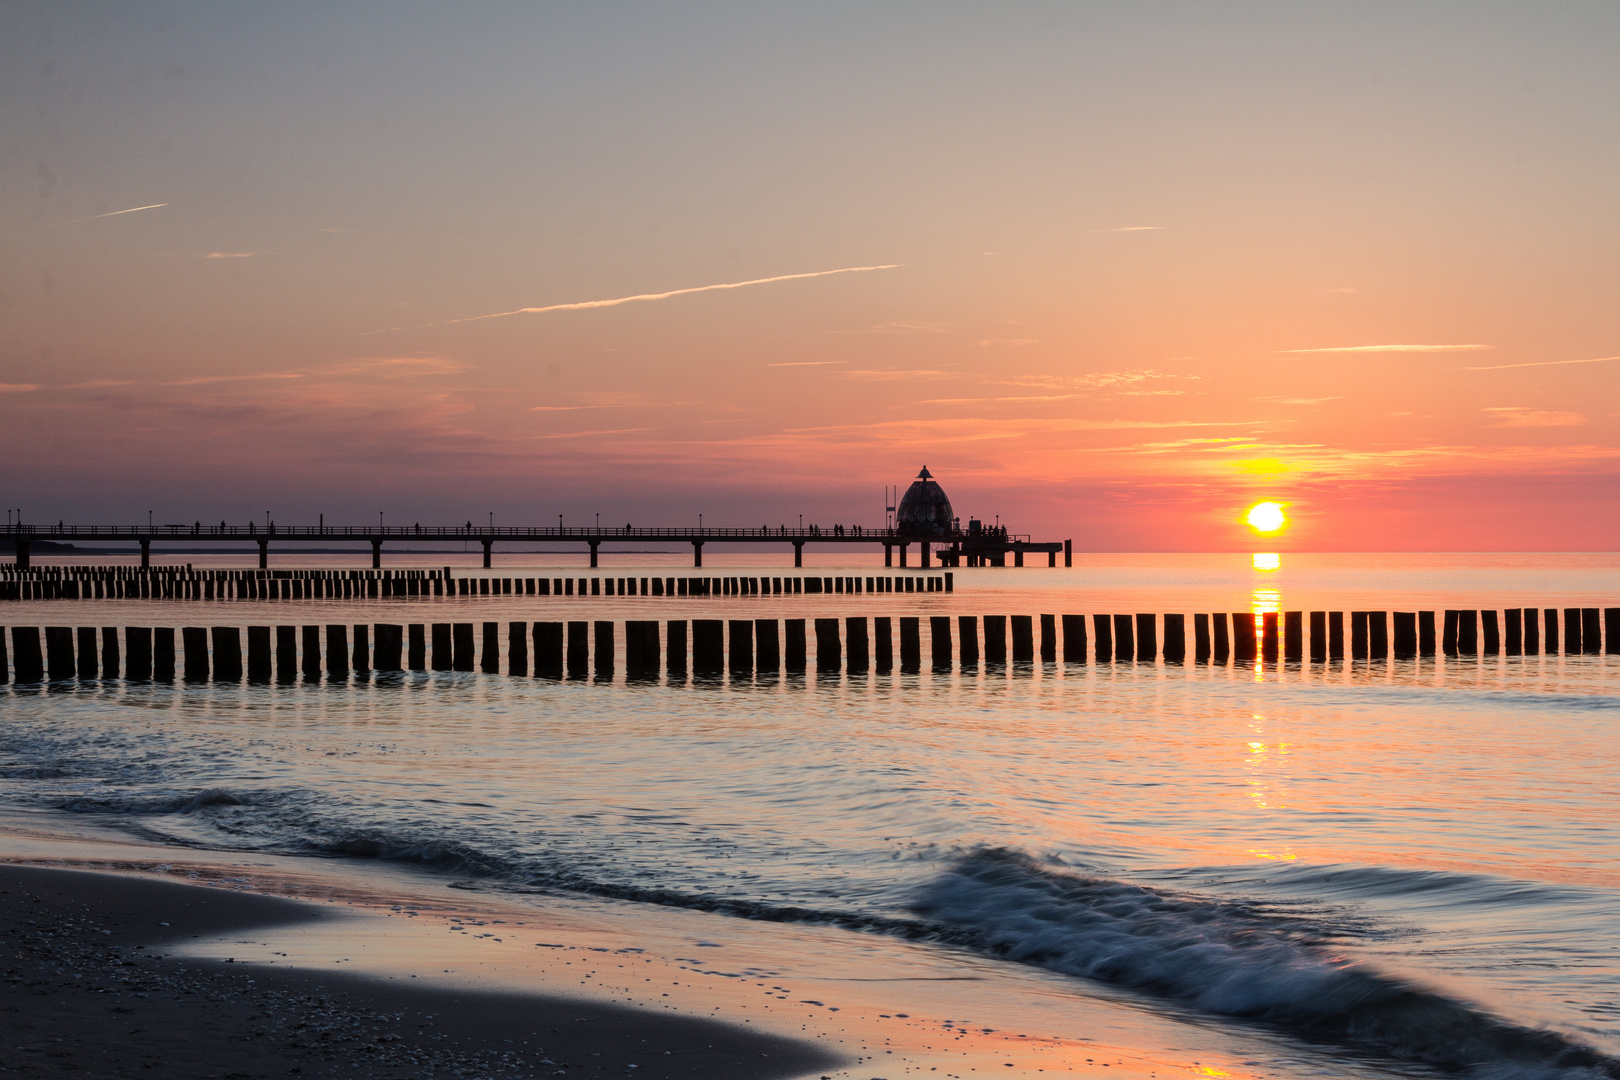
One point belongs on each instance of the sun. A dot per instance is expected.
(1266, 517)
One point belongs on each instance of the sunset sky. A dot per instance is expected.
(1111, 271)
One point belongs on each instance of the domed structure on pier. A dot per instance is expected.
(924, 509)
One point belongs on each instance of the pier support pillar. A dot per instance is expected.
(489, 543)
(595, 544)
(697, 553)
(1018, 557)
(1068, 553)
(903, 548)
(888, 555)
(22, 553)
(798, 553)
(376, 554)
(923, 549)
(146, 555)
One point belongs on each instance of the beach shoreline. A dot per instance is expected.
(92, 984)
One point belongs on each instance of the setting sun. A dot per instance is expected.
(1266, 517)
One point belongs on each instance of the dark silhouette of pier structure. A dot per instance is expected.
(953, 548)
(922, 517)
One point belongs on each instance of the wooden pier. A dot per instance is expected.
(950, 547)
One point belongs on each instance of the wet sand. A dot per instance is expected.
(88, 986)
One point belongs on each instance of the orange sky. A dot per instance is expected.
(1139, 266)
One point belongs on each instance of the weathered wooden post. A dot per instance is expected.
(1222, 649)
(85, 654)
(1572, 631)
(194, 640)
(1358, 635)
(1591, 636)
(1426, 635)
(337, 650)
(310, 658)
(1175, 638)
(138, 646)
(1147, 638)
(389, 654)
(227, 653)
(995, 639)
(109, 652)
(163, 654)
(1490, 632)
(1074, 640)
(882, 644)
(1243, 644)
(1468, 633)
(489, 656)
(1335, 635)
(768, 645)
(286, 653)
(1124, 638)
(939, 641)
(910, 643)
(1201, 642)
(1406, 645)
(1294, 636)
(1103, 627)
(741, 652)
(1550, 625)
(1023, 639)
(1611, 629)
(1378, 635)
(259, 655)
(1268, 637)
(360, 654)
(27, 660)
(604, 660)
(548, 650)
(794, 649)
(708, 647)
(860, 650)
(443, 648)
(967, 628)
(416, 658)
(517, 648)
(828, 646)
(59, 658)
(1514, 617)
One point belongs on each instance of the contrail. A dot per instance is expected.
(1544, 363)
(584, 304)
(115, 213)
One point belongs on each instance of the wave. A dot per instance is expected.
(1234, 959)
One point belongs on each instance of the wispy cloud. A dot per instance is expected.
(1543, 363)
(1300, 400)
(808, 363)
(982, 400)
(234, 254)
(586, 305)
(886, 374)
(1388, 348)
(18, 387)
(1518, 416)
(1095, 380)
(1010, 343)
(1132, 228)
(115, 213)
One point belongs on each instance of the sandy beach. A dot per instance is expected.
(91, 988)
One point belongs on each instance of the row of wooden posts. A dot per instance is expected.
(746, 645)
(164, 583)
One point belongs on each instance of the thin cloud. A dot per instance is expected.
(1012, 343)
(900, 328)
(981, 400)
(1300, 400)
(234, 254)
(808, 363)
(1518, 416)
(1543, 363)
(585, 305)
(1389, 348)
(18, 387)
(884, 374)
(1132, 228)
(115, 213)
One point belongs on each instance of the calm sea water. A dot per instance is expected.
(1416, 863)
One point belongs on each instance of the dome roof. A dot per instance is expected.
(924, 507)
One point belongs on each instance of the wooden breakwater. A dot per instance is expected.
(186, 583)
(577, 648)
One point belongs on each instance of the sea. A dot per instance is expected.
(1354, 868)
